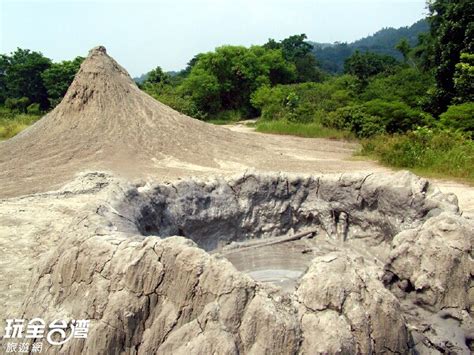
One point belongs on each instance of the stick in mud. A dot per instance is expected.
(259, 244)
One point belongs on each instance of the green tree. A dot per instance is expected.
(404, 48)
(203, 88)
(368, 64)
(423, 53)
(58, 77)
(298, 51)
(22, 76)
(408, 85)
(295, 47)
(464, 79)
(4, 63)
(453, 33)
(157, 76)
(19, 105)
(225, 79)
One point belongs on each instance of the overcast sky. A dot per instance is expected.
(144, 34)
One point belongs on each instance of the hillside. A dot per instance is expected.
(332, 57)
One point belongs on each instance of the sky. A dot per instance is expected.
(143, 34)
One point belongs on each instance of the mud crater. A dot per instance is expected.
(249, 219)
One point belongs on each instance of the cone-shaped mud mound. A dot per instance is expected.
(106, 122)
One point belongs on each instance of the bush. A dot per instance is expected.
(225, 117)
(432, 151)
(168, 95)
(305, 102)
(397, 116)
(460, 117)
(33, 109)
(270, 102)
(376, 117)
(408, 85)
(17, 105)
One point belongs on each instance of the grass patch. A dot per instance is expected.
(11, 125)
(434, 153)
(307, 130)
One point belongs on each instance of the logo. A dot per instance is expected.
(58, 332)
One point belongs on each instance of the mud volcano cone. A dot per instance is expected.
(106, 122)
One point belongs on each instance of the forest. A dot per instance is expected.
(407, 96)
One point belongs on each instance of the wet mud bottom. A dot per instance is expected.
(281, 263)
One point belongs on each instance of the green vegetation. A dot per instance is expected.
(13, 123)
(30, 84)
(311, 130)
(58, 77)
(402, 92)
(417, 113)
(452, 34)
(427, 151)
(332, 56)
(220, 84)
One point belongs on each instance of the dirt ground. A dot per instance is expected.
(338, 156)
(32, 223)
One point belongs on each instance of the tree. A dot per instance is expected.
(464, 79)
(157, 76)
(297, 50)
(295, 47)
(365, 65)
(22, 76)
(423, 53)
(408, 85)
(225, 79)
(404, 48)
(59, 77)
(4, 63)
(453, 34)
(17, 105)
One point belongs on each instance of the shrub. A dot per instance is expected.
(459, 117)
(397, 116)
(17, 105)
(408, 85)
(270, 101)
(33, 109)
(433, 151)
(225, 117)
(305, 102)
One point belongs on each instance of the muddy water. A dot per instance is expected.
(280, 264)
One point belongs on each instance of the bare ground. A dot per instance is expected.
(30, 225)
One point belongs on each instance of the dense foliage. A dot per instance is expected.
(429, 151)
(332, 56)
(58, 77)
(29, 78)
(453, 34)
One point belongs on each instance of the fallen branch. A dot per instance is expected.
(263, 243)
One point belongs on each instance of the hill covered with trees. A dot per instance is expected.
(331, 57)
